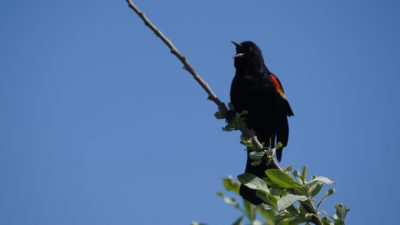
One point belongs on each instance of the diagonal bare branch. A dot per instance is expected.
(186, 65)
(211, 95)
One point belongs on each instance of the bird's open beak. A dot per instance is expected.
(236, 44)
(238, 55)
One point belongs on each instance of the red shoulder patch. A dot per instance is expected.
(277, 85)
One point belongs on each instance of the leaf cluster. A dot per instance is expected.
(287, 199)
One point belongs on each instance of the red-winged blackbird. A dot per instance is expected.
(259, 92)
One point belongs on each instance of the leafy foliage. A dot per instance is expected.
(285, 197)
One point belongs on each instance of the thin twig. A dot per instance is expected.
(186, 65)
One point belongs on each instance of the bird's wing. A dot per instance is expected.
(278, 86)
(283, 127)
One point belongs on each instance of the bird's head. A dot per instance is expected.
(248, 56)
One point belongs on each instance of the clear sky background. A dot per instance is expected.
(100, 125)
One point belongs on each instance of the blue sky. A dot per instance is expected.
(99, 123)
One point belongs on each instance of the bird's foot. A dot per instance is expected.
(269, 151)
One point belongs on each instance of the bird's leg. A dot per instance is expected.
(268, 150)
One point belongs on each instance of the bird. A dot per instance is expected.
(256, 90)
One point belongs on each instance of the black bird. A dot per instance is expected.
(259, 92)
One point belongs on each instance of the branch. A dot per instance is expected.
(313, 217)
(186, 65)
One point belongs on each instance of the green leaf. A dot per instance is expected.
(267, 207)
(315, 189)
(282, 179)
(250, 210)
(269, 216)
(326, 195)
(285, 217)
(293, 210)
(275, 189)
(285, 222)
(219, 115)
(297, 175)
(339, 222)
(299, 219)
(248, 142)
(253, 182)
(341, 211)
(256, 162)
(231, 185)
(268, 199)
(230, 127)
(229, 201)
(321, 179)
(239, 221)
(326, 221)
(288, 200)
(257, 222)
(303, 173)
(256, 155)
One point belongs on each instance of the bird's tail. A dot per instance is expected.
(279, 154)
(279, 150)
(259, 171)
(249, 195)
